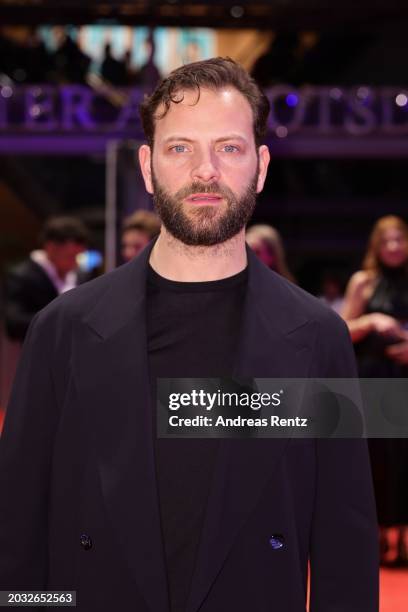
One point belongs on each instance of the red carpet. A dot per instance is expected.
(394, 590)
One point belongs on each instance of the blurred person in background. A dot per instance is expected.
(278, 64)
(46, 273)
(265, 240)
(138, 230)
(71, 64)
(23, 55)
(113, 70)
(148, 74)
(376, 311)
(131, 72)
(332, 291)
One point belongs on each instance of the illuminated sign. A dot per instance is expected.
(355, 111)
(321, 110)
(68, 108)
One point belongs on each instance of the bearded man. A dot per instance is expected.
(92, 500)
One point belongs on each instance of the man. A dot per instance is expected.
(138, 229)
(48, 272)
(93, 501)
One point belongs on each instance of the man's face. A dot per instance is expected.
(205, 170)
(64, 255)
(133, 241)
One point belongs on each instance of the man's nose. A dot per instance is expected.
(205, 168)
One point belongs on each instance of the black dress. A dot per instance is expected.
(389, 457)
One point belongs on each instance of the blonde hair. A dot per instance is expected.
(143, 220)
(269, 235)
(372, 259)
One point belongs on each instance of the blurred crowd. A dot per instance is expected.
(25, 58)
(293, 58)
(56, 267)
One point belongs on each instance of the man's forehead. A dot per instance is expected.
(189, 104)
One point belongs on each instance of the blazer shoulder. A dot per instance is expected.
(296, 301)
(333, 349)
(26, 269)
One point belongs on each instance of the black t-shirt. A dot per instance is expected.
(192, 332)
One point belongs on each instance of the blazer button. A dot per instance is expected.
(277, 541)
(86, 541)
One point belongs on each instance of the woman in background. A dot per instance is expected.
(376, 311)
(267, 244)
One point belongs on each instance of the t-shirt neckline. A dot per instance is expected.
(156, 280)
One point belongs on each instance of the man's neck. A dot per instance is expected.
(177, 261)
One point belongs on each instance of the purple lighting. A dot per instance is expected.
(363, 93)
(401, 100)
(6, 91)
(292, 99)
(281, 131)
(336, 93)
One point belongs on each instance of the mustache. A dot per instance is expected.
(197, 187)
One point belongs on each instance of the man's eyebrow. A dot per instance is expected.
(221, 139)
(177, 138)
(231, 137)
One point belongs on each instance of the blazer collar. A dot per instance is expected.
(125, 294)
(265, 299)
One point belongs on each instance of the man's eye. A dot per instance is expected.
(179, 148)
(229, 148)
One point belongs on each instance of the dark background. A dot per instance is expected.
(323, 206)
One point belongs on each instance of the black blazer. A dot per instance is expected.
(78, 506)
(27, 289)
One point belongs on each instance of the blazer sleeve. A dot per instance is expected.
(25, 461)
(344, 539)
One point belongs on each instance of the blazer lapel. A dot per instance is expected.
(116, 390)
(272, 344)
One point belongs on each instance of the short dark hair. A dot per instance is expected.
(212, 74)
(64, 229)
(143, 220)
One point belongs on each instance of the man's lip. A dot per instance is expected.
(204, 196)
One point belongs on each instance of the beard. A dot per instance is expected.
(204, 225)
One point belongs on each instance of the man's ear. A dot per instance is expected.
(264, 159)
(145, 158)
